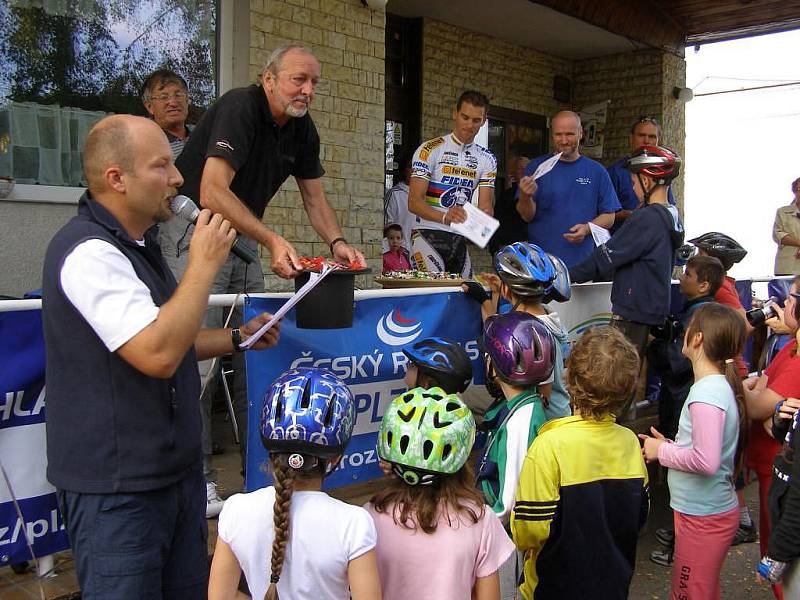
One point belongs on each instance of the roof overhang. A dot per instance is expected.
(574, 29)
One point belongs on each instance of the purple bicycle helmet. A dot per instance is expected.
(520, 348)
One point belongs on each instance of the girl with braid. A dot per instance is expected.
(292, 540)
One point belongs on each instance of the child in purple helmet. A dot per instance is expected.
(528, 278)
(519, 355)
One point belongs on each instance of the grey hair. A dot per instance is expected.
(275, 60)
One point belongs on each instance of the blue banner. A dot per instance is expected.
(22, 443)
(368, 357)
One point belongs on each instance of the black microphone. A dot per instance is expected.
(183, 207)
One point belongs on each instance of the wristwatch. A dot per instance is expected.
(236, 339)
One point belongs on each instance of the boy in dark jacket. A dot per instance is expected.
(699, 281)
(640, 256)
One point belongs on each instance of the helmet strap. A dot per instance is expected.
(646, 192)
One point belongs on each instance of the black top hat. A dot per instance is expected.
(330, 304)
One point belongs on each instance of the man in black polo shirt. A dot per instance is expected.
(239, 154)
(122, 341)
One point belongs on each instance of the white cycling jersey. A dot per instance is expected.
(453, 171)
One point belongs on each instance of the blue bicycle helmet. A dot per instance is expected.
(525, 268)
(308, 411)
(561, 288)
(444, 360)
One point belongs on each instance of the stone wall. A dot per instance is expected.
(349, 109)
(348, 40)
(636, 84)
(455, 59)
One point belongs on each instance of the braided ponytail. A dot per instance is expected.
(284, 486)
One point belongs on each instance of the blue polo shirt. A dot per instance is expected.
(572, 193)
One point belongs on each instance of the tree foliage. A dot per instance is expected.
(95, 54)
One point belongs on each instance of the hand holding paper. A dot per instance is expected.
(600, 234)
(547, 166)
(478, 228)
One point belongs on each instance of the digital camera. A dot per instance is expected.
(757, 316)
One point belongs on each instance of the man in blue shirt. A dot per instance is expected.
(646, 131)
(560, 204)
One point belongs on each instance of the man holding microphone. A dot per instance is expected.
(122, 342)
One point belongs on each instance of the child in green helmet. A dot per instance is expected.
(436, 539)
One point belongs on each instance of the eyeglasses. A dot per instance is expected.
(167, 97)
(646, 119)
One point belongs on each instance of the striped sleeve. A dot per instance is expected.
(489, 171)
(518, 434)
(537, 499)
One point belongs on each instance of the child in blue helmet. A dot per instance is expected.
(291, 539)
(435, 362)
(528, 278)
(438, 362)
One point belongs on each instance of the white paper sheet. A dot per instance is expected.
(600, 235)
(478, 228)
(314, 280)
(546, 166)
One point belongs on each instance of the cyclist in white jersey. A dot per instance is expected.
(445, 172)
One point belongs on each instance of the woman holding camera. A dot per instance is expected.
(786, 233)
(767, 396)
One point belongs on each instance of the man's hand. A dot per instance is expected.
(212, 239)
(455, 214)
(576, 233)
(493, 281)
(527, 186)
(345, 253)
(269, 339)
(284, 262)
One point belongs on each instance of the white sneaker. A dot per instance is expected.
(213, 501)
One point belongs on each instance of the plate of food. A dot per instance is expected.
(413, 278)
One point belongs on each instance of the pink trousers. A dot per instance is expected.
(701, 544)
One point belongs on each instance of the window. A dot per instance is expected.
(64, 65)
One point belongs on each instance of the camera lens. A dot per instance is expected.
(757, 316)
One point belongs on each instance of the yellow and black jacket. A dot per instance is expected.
(581, 500)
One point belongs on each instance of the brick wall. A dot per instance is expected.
(455, 59)
(636, 83)
(348, 40)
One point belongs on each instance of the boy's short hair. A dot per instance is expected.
(708, 270)
(602, 369)
(392, 227)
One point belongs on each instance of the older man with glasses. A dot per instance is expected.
(165, 96)
(646, 131)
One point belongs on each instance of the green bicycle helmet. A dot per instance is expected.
(425, 434)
